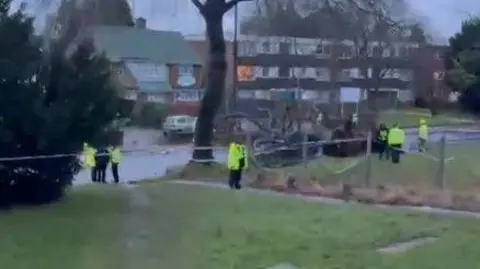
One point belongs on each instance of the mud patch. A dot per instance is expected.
(402, 247)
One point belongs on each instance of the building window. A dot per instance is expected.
(438, 56)
(345, 75)
(246, 48)
(265, 71)
(322, 74)
(407, 51)
(345, 52)
(245, 73)
(323, 49)
(284, 72)
(185, 70)
(266, 47)
(298, 72)
(187, 95)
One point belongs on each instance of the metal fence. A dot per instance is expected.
(449, 162)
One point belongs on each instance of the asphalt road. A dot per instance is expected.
(142, 164)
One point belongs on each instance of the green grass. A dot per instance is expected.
(81, 232)
(411, 118)
(188, 227)
(216, 229)
(414, 171)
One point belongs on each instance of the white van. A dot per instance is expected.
(179, 124)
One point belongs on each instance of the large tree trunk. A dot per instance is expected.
(217, 68)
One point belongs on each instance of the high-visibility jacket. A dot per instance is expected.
(383, 134)
(115, 155)
(396, 136)
(423, 131)
(236, 152)
(88, 156)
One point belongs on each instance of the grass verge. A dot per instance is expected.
(82, 231)
(202, 228)
(215, 229)
(411, 118)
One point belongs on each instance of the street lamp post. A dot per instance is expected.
(233, 98)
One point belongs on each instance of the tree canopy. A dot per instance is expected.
(463, 63)
(48, 105)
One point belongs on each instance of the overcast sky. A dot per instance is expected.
(444, 16)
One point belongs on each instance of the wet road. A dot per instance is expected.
(140, 165)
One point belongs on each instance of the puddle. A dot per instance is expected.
(402, 247)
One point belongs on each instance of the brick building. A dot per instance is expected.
(150, 65)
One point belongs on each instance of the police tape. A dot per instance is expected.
(165, 150)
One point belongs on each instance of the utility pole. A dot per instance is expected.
(233, 98)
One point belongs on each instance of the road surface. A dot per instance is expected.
(143, 165)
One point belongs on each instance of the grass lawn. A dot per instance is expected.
(411, 118)
(79, 233)
(462, 173)
(193, 227)
(216, 229)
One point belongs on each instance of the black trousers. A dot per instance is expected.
(115, 172)
(234, 179)
(99, 173)
(383, 150)
(396, 151)
(93, 174)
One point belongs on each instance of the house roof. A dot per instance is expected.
(164, 47)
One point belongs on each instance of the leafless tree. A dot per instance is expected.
(374, 28)
(212, 12)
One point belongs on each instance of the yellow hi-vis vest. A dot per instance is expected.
(235, 153)
(423, 131)
(396, 136)
(115, 155)
(88, 157)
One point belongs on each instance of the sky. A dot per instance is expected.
(443, 16)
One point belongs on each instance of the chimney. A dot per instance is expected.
(141, 23)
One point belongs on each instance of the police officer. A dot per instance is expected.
(237, 161)
(88, 159)
(102, 158)
(422, 135)
(382, 140)
(396, 138)
(115, 158)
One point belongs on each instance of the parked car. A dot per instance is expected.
(179, 125)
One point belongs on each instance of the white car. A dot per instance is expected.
(179, 124)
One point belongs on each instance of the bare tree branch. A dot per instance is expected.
(229, 5)
(198, 4)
